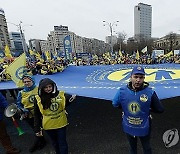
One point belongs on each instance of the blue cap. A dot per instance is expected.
(138, 70)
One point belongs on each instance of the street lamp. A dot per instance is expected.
(20, 28)
(111, 30)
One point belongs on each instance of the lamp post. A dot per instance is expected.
(111, 31)
(20, 28)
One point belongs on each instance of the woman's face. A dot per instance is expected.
(48, 88)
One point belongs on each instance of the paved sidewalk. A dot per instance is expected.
(95, 128)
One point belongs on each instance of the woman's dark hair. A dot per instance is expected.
(46, 97)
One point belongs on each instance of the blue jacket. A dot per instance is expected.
(136, 106)
(3, 105)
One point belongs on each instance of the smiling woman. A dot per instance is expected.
(50, 103)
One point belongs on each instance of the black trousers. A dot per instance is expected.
(30, 121)
(4, 137)
(145, 141)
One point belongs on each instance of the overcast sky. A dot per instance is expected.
(84, 17)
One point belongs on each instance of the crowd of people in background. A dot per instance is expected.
(52, 66)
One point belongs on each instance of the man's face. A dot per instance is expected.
(27, 82)
(137, 80)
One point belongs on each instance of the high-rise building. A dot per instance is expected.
(142, 21)
(56, 37)
(16, 43)
(55, 42)
(4, 35)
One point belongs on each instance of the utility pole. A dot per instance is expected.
(20, 28)
(110, 25)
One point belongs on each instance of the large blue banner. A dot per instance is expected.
(104, 81)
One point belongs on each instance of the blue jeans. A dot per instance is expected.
(58, 138)
(145, 141)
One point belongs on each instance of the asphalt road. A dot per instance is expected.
(95, 128)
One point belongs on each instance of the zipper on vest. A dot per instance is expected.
(135, 92)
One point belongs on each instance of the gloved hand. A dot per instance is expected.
(39, 133)
(23, 113)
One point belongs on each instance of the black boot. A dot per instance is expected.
(39, 144)
(13, 151)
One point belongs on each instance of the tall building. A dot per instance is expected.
(56, 37)
(114, 39)
(4, 36)
(44, 46)
(142, 21)
(35, 45)
(16, 42)
(55, 42)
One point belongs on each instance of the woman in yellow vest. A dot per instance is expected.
(50, 105)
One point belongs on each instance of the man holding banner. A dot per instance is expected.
(137, 100)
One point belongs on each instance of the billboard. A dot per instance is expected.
(176, 52)
(158, 52)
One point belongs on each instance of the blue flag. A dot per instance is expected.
(68, 47)
(103, 81)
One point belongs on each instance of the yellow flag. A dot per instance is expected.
(31, 52)
(1, 60)
(48, 55)
(120, 53)
(7, 52)
(17, 69)
(137, 54)
(169, 54)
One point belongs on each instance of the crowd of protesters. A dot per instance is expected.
(105, 60)
(49, 67)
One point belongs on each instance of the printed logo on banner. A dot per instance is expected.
(112, 75)
(20, 72)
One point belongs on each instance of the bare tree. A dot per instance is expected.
(120, 39)
(171, 38)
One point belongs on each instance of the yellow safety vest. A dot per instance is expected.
(27, 99)
(55, 116)
(43, 71)
(53, 70)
